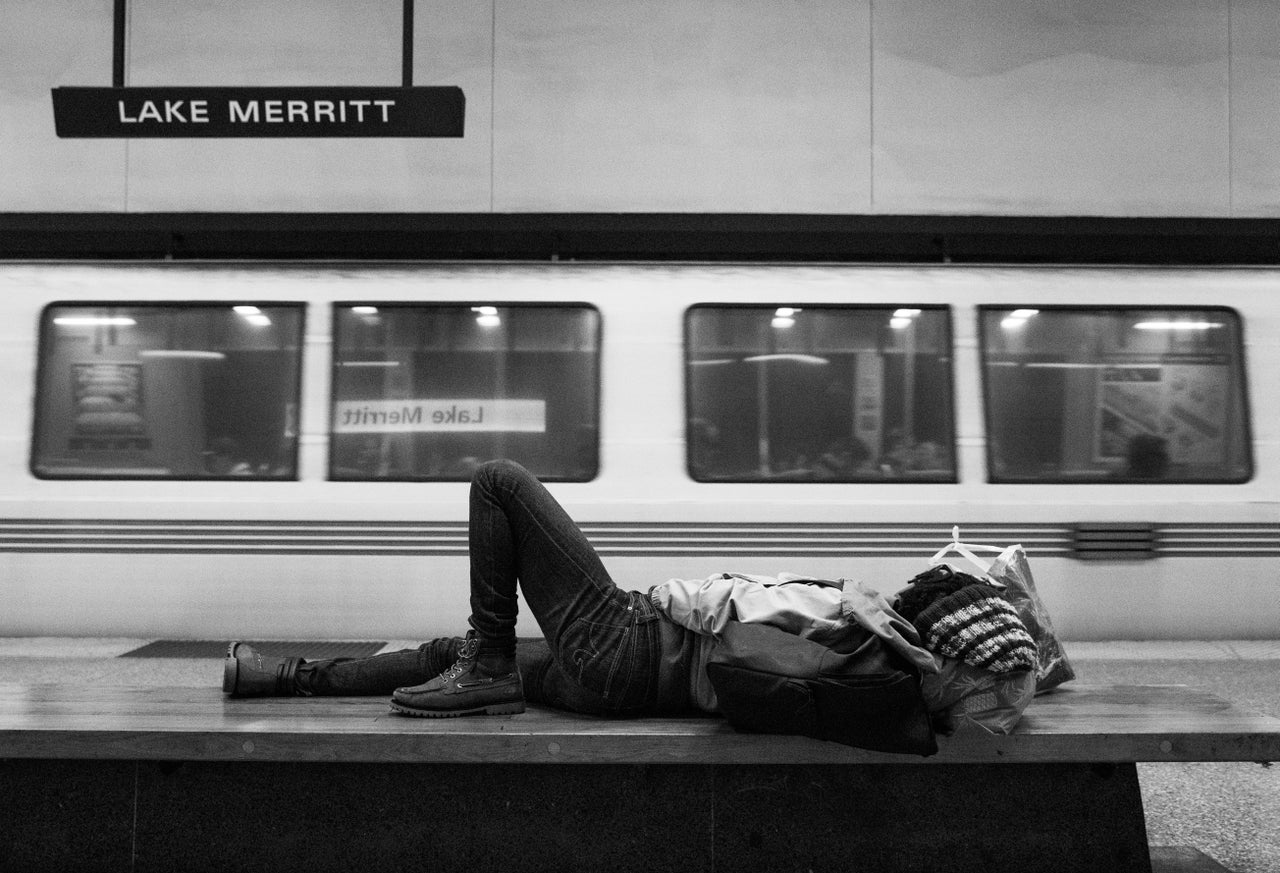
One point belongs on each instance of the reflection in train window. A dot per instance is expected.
(819, 393)
(428, 392)
(190, 391)
(1115, 395)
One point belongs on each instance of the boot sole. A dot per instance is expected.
(230, 672)
(491, 709)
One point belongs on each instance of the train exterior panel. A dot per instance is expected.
(677, 460)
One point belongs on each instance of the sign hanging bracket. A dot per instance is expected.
(275, 111)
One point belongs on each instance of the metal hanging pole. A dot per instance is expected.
(120, 19)
(120, 15)
(406, 78)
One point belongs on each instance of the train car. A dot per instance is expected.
(274, 451)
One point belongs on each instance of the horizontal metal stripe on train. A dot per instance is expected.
(625, 539)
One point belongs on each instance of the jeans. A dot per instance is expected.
(544, 681)
(602, 649)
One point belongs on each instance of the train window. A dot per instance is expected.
(427, 392)
(185, 391)
(819, 393)
(1115, 395)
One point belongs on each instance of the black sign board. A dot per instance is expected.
(308, 111)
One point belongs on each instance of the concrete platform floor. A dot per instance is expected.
(1230, 812)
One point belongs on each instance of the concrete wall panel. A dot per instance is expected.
(1040, 107)
(1255, 107)
(996, 107)
(682, 105)
(44, 44)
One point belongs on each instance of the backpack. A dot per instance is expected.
(867, 696)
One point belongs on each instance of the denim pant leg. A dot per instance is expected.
(377, 674)
(545, 682)
(603, 638)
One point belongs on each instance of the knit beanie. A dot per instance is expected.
(927, 587)
(979, 627)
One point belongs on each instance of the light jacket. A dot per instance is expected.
(812, 608)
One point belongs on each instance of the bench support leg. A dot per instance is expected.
(1048, 818)
(121, 815)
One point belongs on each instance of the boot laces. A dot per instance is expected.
(459, 667)
(466, 658)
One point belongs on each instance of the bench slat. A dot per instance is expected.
(1073, 724)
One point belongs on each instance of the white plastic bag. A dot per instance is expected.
(1010, 571)
(964, 557)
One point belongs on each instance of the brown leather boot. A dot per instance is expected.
(249, 673)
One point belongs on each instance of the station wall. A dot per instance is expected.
(978, 107)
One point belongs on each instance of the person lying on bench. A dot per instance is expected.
(608, 651)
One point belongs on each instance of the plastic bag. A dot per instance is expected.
(961, 696)
(1011, 572)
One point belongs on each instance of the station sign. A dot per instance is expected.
(212, 112)
(434, 415)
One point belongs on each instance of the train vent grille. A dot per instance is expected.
(1113, 542)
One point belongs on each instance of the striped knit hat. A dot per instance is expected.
(979, 627)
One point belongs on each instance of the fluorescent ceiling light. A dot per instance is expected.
(1177, 325)
(788, 356)
(487, 316)
(94, 321)
(189, 354)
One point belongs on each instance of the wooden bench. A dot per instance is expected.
(182, 778)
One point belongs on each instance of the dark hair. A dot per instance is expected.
(1148, 456)
(933, 584)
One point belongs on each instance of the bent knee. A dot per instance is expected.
(498, 470)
